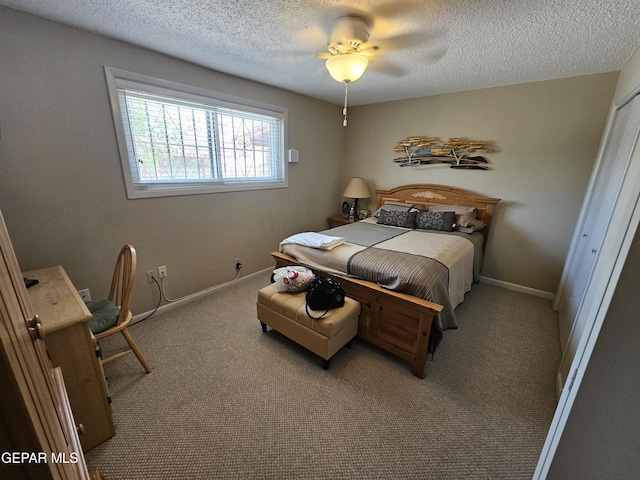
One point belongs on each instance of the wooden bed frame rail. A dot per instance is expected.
(394, 321)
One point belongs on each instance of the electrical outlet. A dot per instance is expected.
(151, 274)
(162, 271)
(85, 295)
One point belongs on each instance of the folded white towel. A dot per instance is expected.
(313, 240)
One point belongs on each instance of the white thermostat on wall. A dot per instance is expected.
(294, 156)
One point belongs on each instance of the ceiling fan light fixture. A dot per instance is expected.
(347, 67)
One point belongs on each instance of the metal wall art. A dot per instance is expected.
(456, 152)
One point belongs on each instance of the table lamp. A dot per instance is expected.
(356, 189)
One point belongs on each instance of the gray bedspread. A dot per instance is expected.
(435, 266)
(419, 276)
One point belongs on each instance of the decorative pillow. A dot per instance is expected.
(395, 206)
(442, 221)
(472, 212)
(473, 225)
(466, 217)
(465, 220)
(397, 218)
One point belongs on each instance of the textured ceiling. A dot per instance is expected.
(451, 45)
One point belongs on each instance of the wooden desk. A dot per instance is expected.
(72, 346)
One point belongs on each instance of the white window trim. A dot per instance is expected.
(117, 78)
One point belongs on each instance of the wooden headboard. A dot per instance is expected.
(425, 194)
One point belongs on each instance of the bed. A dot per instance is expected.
(408, 280)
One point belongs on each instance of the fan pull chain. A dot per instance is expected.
(344, 110)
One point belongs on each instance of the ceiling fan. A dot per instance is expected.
(350, 51)
(348, 54)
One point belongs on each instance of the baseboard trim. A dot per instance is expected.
(208, 291)
(196, 296)
(518, 288)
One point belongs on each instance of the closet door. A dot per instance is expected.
(601, 200)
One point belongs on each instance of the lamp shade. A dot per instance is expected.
(347, 67)
(357, 188)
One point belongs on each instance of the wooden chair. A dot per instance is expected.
(113, 315)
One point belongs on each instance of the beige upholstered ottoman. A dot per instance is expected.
(286, 313)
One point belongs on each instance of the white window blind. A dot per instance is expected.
(177, 140)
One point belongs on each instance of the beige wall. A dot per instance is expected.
(547, 135)
(61, 186)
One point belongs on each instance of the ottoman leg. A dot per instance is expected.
(325, 364)
(264, 326)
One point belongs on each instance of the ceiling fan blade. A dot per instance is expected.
(324, 56)
(435, 54)
(387, 68)
(401, 42)
(399, 7)
(368, 49)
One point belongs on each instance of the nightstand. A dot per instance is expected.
(337, 220)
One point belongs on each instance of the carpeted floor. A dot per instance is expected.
(227, 401)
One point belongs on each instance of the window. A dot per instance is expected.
(181, 140)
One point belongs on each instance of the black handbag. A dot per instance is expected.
(324, 294)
